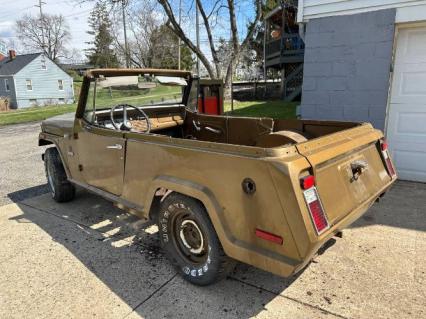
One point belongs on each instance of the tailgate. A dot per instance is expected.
(348, 167)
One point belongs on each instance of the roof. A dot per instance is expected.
(10, 67)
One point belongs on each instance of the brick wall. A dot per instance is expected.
(347, 67)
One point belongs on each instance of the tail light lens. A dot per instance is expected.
(316, 210)
(313, 202)
(386, 158)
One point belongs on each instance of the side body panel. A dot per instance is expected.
(101, 157)
(215, 178)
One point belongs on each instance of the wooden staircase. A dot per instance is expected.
(292, 84)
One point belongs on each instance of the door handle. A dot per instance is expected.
(213, 130)
(115, 147)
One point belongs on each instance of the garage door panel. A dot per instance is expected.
(406, 160)
(409, 83)
(412, 123)
(406, 129)
(411, 175)
(411, 45)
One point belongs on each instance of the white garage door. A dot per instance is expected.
(406, 130)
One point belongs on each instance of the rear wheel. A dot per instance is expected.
(60, 188)
(190, 241)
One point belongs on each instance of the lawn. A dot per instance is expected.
(33, 114)
(275, 109)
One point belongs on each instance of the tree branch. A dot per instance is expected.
(210, 37)
(179, 32)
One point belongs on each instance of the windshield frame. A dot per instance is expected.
(92, 75)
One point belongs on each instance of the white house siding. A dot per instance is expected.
(8, 94)
(44, 84)
(310, 9)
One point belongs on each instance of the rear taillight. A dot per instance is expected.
(307, 182)
(313, 202)
(386, 158)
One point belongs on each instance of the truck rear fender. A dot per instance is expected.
(162, 186)
(233, 247)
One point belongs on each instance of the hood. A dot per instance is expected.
(59, 125)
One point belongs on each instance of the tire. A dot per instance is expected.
(60, 188)
(190, 242)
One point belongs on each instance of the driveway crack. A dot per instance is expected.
(290, 298)
(151, 295)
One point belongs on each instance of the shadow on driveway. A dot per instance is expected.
(124, 253)
(403, 206)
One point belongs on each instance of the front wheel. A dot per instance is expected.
(60, 188)
(190, 241)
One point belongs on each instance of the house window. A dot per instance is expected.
(29, 85)
(6, 85)
(61, 101)
(43, 63)
(33, 102)
(61, 85)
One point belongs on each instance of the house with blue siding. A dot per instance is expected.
(33, 79)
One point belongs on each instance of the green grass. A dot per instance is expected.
(275, 108)
(106, 98)
(32, 114)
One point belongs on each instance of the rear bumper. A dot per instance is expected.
(342, 224)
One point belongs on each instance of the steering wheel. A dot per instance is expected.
(126, 125)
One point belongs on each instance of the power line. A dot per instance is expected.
(11, 14)
(40, 6)
(77, 13)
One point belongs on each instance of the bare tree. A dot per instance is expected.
(48, 34)
(214, 70)
(209, 18)
(141, 24)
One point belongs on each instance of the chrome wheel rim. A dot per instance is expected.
(189, 238)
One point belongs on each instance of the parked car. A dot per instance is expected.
(266, 192)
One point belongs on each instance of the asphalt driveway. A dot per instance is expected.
(88, 259)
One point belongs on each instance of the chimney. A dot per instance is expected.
(12, 54)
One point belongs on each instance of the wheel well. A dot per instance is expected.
(160, 195)
(42, 142)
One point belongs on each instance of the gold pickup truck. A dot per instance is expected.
(266, 192)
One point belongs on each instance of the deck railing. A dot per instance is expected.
(288, 44)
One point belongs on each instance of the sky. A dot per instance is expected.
(77, 15)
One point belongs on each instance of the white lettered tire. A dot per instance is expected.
(190, 241)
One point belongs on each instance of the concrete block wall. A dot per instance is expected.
(347, 67)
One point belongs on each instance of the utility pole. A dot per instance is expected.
(197, 30)
(126, 46)
(179, 42)
(40, 6)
